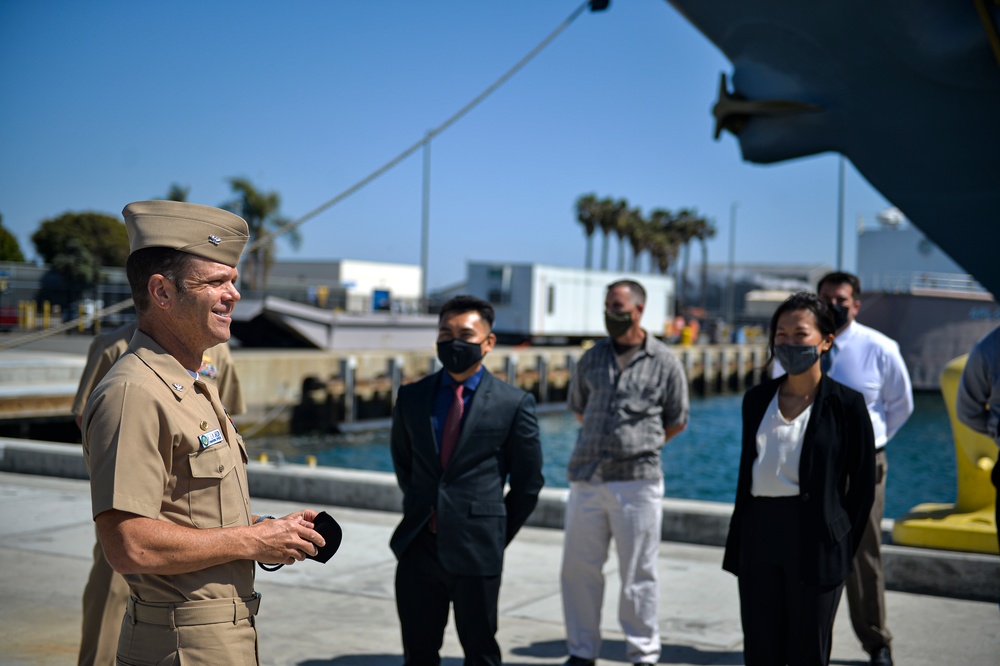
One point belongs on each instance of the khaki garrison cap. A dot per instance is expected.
(211, 233)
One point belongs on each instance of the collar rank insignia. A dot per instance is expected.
(178, 387)
(214, 240)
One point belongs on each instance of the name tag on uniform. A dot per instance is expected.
(210, 438)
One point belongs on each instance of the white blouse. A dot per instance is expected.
(779, 448)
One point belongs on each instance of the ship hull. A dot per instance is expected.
(932, 327)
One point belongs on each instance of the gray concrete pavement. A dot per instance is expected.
(343, 613)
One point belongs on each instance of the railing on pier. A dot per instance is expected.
(907, 282)
(351, 396)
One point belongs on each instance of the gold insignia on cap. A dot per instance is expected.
(204, 425)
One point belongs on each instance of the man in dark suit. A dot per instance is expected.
(458, 436)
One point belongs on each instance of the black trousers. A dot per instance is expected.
(424, 592)
(784, 620)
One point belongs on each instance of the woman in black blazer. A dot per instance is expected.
(806, 485)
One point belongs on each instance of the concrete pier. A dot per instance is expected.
(343, 613)
(921, 570)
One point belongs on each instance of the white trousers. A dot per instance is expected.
(632, 513)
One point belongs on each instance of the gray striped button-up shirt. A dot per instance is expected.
(625, 411)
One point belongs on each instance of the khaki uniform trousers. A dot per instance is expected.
(104, 600)
(866, 584)
(220, 632)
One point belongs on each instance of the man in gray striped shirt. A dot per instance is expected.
(630, 394)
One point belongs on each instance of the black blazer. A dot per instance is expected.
(499, 441)
(836, 479)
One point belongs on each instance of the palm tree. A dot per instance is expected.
(586, 214)
(703, 229)
(609, 213)
(655, 242)
(664, 240)
(685, 226)
(625, 223)
(260, 210)
(178, 192)
(640, 235)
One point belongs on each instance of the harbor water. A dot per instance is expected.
(700, 463)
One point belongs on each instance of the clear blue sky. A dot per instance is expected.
(103, 103)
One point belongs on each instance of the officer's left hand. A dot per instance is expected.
(288, 539)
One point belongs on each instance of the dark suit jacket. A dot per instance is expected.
(499, 440)
(836, 479)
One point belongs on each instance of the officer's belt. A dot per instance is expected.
(190, 613)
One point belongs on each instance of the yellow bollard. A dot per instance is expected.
(262, 457)
(970, 523)
(81, 313)
(46, 314)
(687, 336)
(311, 461)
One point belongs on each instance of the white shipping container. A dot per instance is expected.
(537, 301)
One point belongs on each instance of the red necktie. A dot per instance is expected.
(452, 426)
(449, 437)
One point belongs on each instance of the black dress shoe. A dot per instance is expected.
(579, 661)
(881, 657)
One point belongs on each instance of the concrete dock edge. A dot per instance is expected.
(958, 575)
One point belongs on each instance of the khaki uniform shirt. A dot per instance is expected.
(216, 364)
(159, 444)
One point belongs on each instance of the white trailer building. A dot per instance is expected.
(555, 304)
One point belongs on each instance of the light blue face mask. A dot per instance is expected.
(796, 359)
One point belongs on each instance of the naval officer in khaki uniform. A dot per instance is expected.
(106, 592)
(167, 467)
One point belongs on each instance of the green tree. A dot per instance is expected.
(587, 215)
(76, 245)
(260, 210)
(10, 250)
(78, 264)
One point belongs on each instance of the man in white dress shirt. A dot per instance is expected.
(868, 362)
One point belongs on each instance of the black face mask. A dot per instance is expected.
(839, 315)
(457, 356)
(617, 323)
(796, 359)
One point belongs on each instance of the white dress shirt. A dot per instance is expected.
(870, 363)
(775, 471)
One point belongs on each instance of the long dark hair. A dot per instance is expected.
(802, 301)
